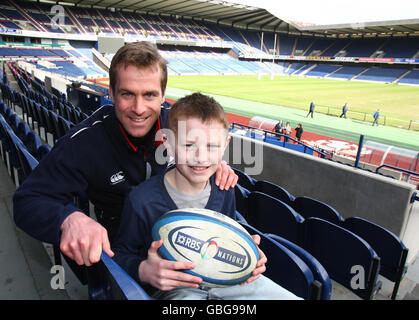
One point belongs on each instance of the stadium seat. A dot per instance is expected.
(27, 162)
(22, 130)
(48, 125)
(241, 195)
(319, 272)
(32, 142)
(13, 144)
(274, 190)
(10, 155)
(271, 215)
(287, 269)
(64, 125)
(245, 180)
(309, 207)
(387, 245)
(42, 151)
(347, 258)
(108, 281)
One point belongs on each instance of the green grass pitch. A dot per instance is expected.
(288, 98)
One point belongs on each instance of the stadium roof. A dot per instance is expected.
(249, 17)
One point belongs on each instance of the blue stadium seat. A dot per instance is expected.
(241, 195)
(309, 207)
(271, 215)
(42, 151)
(27, 162)
(391, 250)
(319, 272)
(245, 180)
(108, 281)
(287, 269)
(347, 258)
(22, 130)
(32, 142)
(274, 190)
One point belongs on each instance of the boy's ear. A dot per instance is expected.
(227, 142)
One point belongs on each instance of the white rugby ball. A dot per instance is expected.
(222, 251)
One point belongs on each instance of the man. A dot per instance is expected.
(103, 157)
(376, 116)
(311, 111)
(344, 110)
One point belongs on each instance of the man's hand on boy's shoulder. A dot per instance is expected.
(164, 274)
(260, 265)
(225, 178)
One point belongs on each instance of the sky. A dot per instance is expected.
(338, 11)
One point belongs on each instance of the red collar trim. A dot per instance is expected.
(126, 138)
(157, 142)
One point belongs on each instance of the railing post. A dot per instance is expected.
(358, 155)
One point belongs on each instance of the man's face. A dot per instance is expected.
(199, 149)
(137, 98)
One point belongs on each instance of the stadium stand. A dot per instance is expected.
(245, 44)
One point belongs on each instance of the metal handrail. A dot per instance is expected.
(323, 154)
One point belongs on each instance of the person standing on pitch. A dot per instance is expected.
(376, 116)
(312, 106)
(103, 156)
(299, 132)
(344, 110)
(196, 139)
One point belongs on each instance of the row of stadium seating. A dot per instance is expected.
(337, 243)
(90, 20)
(65, 61)
(384, 74)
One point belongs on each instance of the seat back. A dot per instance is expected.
(245, 180)
(274, 190)
(309, 207)
(27, 162)
(319, 272)
(108, 281)
(286, 269)
(241, 195)
(348, 259)
(271, 215)
(42, 151)
(32, 142)
(391, 250)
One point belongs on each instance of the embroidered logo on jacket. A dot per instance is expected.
(117, 178)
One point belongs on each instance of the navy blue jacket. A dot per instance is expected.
(94, 157)
(143, 206)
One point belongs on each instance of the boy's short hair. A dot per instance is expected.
(197, 105)
(141, 54)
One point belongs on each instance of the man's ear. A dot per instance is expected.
(163, 98)
(111, 96)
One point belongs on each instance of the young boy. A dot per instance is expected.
(197, 139)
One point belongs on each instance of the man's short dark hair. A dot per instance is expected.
(142, 54)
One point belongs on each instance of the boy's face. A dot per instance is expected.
(199, 148)
(138, 98)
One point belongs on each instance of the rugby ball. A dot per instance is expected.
(222, 251)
